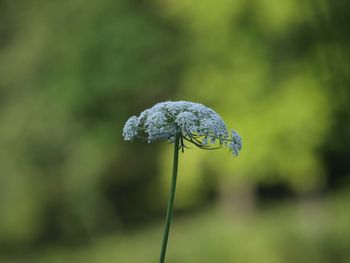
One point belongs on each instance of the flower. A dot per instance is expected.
(236, 142)
(130, 128)
(192, 122)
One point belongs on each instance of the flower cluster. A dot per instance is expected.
(192, 122)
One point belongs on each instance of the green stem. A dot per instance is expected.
(169, 212)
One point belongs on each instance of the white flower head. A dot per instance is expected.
(191, 122)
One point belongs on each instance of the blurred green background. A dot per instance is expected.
(72, 72)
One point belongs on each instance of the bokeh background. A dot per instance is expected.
(72, 72)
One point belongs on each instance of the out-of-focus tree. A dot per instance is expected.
(71, 74)
(332, 40)
(258, 63)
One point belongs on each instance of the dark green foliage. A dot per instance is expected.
(71, 74)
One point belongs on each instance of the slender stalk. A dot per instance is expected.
(169, 213)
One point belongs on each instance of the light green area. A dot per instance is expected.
(309, 231)
(278, 104)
